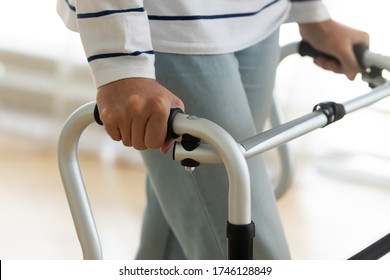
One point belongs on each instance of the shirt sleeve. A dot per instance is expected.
(306, 11)
(115, 36)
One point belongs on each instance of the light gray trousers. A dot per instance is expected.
(186, 213)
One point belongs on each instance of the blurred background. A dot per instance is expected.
(339, 201)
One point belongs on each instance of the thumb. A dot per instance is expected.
(167, 146)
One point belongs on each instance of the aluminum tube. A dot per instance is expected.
(367, 99)
(73, 181)
(259, 143)
(288, 49)
(205, 153)
(232, 157)
(284, 133)
(373, 59)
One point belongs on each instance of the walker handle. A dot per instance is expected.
(170, 133)
(305, 49)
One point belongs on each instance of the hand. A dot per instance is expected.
(337, 40)
(135, 111)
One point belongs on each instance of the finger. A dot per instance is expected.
(349, 62)
(156, 131)
(350, 65)
(328, 64)
(138, 133)
(113, 132)
(110, 125)
(125, 130)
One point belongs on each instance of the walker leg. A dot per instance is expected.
(374, 251)
(240, 241)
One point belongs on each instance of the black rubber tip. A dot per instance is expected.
(96, 115)
(359, 51)
(305, 49)
(170, 133)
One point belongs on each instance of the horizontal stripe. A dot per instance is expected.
(112, 55)
(73, 8)
(109, 12)
(210, 17)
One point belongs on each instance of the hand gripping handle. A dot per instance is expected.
(170, 133)
(305, 49)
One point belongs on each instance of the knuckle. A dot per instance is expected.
(110, 117)
(113, 132)
(115, 137)
(127, 142)
(139, 147)
(154, 144)
(159, 105)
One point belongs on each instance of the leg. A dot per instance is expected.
(259, 81)
(167, 248)
(195, 205)
(259, 85)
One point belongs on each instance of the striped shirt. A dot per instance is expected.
(120, 36)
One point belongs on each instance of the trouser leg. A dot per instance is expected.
(158, 240)
(194, 205)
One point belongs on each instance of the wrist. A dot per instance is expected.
(315, 29)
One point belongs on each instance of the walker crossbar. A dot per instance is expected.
(281, 134)
(220, 147)
(284, 133)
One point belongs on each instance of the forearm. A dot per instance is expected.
(115, 37)
(304, 11)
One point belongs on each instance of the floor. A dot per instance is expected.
(338, 203)
(34, 215)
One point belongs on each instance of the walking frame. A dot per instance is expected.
(203, 141)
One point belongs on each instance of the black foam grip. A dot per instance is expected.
(96, 115)
(170, 133)
(305, 49)
(359, 51)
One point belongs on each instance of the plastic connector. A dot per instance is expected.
(332, 110)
